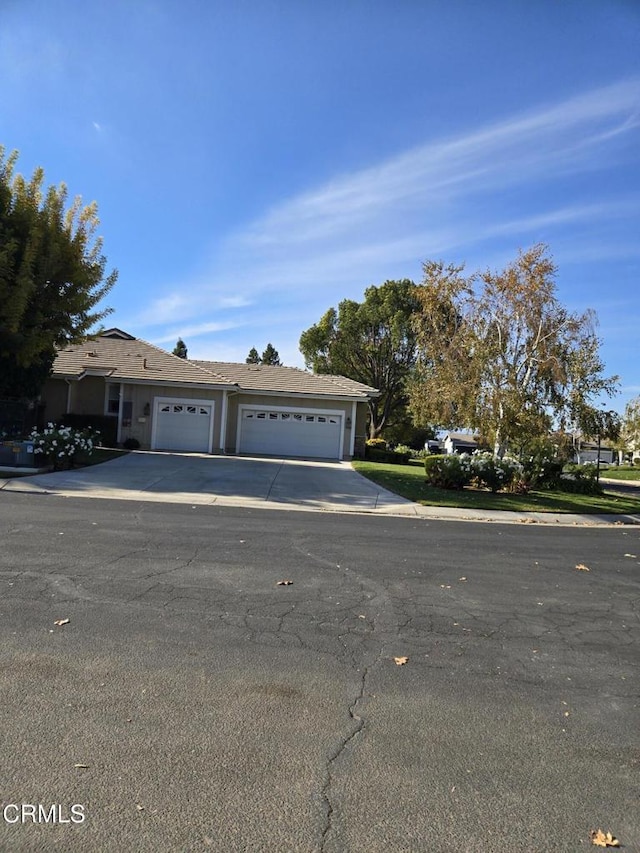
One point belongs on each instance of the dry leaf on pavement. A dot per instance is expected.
(582, 568)
(284, 583)
(601, 839)
(62, 621)
(401, 661)
(81, 766)
(633, 556)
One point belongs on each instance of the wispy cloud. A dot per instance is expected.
(195, 331)
(435, 199)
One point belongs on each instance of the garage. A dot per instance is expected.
(184, 425)
(312, 433)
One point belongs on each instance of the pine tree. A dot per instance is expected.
(253, 357)
(270, 356)
(180, 349)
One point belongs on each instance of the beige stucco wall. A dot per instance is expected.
(141, 424)
(294, 402)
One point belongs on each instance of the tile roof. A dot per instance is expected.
(291, 380)
(120, 356)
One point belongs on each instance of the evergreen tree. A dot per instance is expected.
(253, 357)
(180, 349)
(270, 356)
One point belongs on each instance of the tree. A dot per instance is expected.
(499, 353)
(253, 357)
(180, 349)
(630, 429)
(270, 356)
(373, 342)
(52, 277)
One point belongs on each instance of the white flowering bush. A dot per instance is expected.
(455, 471)
(495, 473)
(448, 471)
(59, 445)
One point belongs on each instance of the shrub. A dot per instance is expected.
(131, 444)
(580, 479)
(59, 445)
(448, 471)
(376, 443)
(376, 455)
(493, 472)
(404, 449)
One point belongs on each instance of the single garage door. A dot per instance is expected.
(312, 434)
(185, 425)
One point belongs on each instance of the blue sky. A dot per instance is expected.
(255, 161)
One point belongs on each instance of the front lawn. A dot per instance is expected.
(409, 481)
(621, 472)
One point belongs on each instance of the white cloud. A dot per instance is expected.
(195, 331)
(432, 200)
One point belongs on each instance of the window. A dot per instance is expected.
(178, 409)
(261, 416)
(191, 410)
(285, 416)
(204, 410)
(165, 408)
(297, 418)
(309, 418)
(321, 420)
(113, 399)
(273, 416)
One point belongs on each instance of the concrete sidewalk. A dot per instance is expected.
(294, 485)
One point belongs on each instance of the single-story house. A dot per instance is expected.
(588, 452)
(170, 403)
(459, 442)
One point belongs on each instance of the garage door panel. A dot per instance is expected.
(183, 425)
(271, 432)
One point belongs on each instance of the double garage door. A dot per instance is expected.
(274, 432)
(185, 425)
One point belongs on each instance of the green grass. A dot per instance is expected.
(100, 454)
(621, 472)
(409, 481)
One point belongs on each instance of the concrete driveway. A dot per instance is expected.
(226, 480)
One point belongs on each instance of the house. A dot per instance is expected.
(170, 403)
(459, 442)
(587, 451)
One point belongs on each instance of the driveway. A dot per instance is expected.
(226, 480)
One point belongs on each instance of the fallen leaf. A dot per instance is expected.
(401, 661)
(284, 583)
(81, 766)
(633, 556)
(445, 586)
(62, 621)
(139, 807)
(462, 579)
(601, 839)
(582, 568)
(566, 713)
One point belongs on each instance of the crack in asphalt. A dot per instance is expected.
(358, 727)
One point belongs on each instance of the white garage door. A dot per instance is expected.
(183, 425)
(311, 434)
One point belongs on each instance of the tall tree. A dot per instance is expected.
(630, 431)
(180, 349)
(52, 276)
(373, 342)
(499, 353)
(253, 357)
(271, 356)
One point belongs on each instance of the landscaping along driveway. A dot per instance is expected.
(229, 480)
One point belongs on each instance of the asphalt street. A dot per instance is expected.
(194, 703)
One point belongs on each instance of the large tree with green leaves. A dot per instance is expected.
(52, 276)
(499, 353)
(373, 342)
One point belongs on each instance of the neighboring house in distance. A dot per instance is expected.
(459, 442)
(587, 451)
(170, 403)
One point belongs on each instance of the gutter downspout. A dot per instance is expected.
(68, 381)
